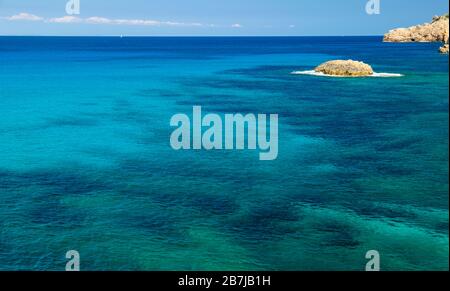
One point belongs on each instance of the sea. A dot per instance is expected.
(86, 162)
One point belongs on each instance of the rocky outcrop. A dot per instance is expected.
(444, 49)
(436, 31)
(347, 68)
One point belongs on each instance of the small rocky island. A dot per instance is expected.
(436, 31)
(348, 68)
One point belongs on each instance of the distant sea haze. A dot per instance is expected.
(86, 162)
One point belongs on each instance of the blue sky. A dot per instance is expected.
(213, 17)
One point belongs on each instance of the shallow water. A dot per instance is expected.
(86, 163)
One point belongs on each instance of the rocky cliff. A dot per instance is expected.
(436, 31)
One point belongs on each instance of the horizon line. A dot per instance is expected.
(129, 36)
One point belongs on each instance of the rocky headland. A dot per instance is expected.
(436, 31)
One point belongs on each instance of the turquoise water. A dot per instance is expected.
(86, 162)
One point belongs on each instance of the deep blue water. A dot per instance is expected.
(86, 164)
